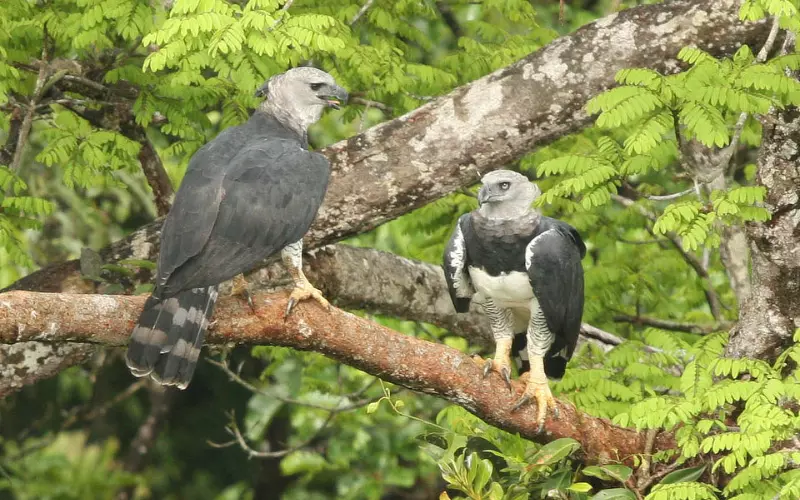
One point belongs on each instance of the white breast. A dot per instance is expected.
(508, 289)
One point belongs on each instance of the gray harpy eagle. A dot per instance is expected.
(526, 270)
(251, 192)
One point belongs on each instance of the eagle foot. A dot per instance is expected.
(241, 288)
(304, 291)
(544, 399)
(501, 366)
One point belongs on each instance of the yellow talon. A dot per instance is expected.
(303, 291)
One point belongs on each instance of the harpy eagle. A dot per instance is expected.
(526, 270)
(251, 192)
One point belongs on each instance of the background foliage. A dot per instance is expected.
(173, 74)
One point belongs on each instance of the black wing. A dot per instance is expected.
(553, 259)
(456, 261)
(268, 198)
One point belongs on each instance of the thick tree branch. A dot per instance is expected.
(770, 315)
(449, 142)
(413, 363)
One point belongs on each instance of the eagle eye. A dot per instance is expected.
(316, 86)
(505, 185)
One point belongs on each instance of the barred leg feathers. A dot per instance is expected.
(166, 342)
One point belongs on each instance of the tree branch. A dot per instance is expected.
(416, 364)
(674, 326)
(449, 142)
(714, 302)
(771, 313)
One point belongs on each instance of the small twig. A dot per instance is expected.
(75, 102)
(160, 404)
(609, 338)
(374, 104)
(714, 302)
(420, 97)
(668, 197)
(86, 82)
(361, 11)
(233, 429)
(75, 414)
(657, 241)
(644, 469)
(674, 326)
(255, 390)
(730, 150)
(27, 122)
(283, 10)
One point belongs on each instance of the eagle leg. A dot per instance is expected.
(501, 363)
(240, 287)
(538, 389)
(304, 290)
(292, 257)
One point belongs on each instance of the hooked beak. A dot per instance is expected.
(334, 96)
(484, 195)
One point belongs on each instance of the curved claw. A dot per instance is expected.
(505, 372)
(487, 367)
(522, 401)
(289, 307)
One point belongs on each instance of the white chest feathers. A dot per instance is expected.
(507, 288)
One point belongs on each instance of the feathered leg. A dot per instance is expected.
(537, 388)
(292, 257)
(502, 323)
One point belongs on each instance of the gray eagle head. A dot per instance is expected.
(299, 96)
(506, 194)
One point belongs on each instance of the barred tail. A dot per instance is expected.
(166, 342)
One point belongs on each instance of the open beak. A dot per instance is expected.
(334, 96)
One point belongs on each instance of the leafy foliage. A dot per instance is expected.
(176, 73)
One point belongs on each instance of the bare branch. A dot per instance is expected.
(675, 326)
(714, 302)
(673, 196)
(405, 163)
(160, 403)
(371, 104)
(416, 364)
(361, 11)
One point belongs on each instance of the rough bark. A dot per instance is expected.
(772, 312)
(448, 143)
(419, 365)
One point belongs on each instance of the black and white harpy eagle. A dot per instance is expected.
(526, 271)
(251, 192)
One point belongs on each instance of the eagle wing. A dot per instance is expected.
(456, 274)
(267, 198)
(553, 261)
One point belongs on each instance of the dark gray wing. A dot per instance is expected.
(456, 274)
(553, 260)
(267, 199)
(191, 218)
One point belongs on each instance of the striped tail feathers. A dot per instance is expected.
(166, 342)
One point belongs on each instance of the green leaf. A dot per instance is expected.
(554, 451)
(684, 475)
(581, 487)
(302, 461)
(614, 494)
(612, 472)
